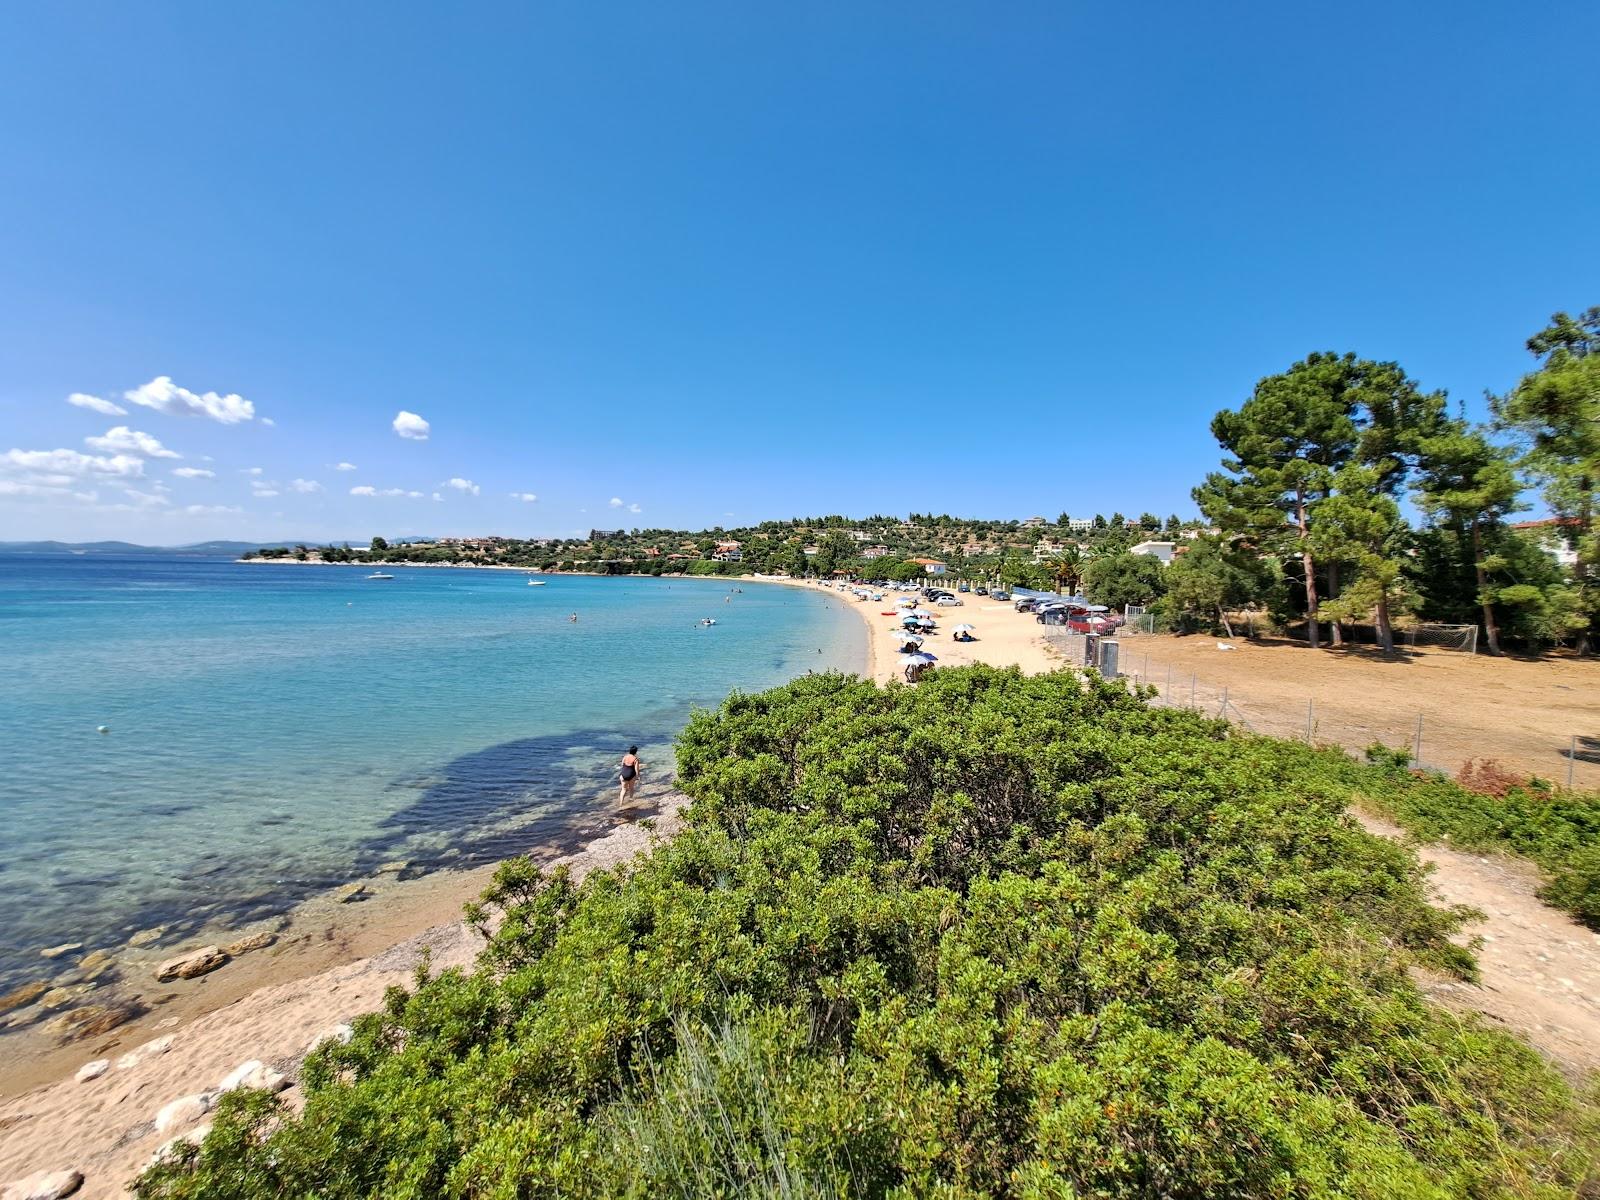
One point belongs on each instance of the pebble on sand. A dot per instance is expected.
(185, 1110)
(340, 1033)
(193, 1138)
(93, 1070)
(253, 1074)
(43, 1185)
(350, 893)
(149, 1050)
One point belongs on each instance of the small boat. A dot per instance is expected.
(708, 620)
(535, 583)
(380, 575)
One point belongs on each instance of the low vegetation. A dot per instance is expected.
(995, 935)
(1489, 808)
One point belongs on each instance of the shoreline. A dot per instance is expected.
(324, 963)
(105, 1126)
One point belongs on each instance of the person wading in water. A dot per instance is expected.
(631, 766)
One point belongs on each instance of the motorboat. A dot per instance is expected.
(535, 583)
(380, 575)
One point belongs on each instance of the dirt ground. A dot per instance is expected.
(1522, 712)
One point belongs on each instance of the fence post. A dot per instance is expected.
(1308, 721)
(1191, 688)
(1572, 757)
(1416, 748)
(1169, 683)
(1222, 709)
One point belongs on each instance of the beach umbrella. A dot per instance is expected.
(963, 629)
(921, 658)
(908, 637)
(906, 602)
(920, 612)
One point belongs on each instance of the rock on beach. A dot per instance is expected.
(195, 962)
(185, 1110)
(23, 996)
(44, 1185)
(64, 948)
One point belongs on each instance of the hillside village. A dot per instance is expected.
(886, 547)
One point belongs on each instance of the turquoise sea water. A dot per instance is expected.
(275, 730)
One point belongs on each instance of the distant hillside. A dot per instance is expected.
(218, 549)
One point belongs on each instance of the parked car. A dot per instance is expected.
(948, 602)
(962, 587)
(1025, 603)
(1000, 594)
(982, 591)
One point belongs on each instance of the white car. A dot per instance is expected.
(948, 602)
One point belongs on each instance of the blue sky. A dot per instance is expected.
(711, 259)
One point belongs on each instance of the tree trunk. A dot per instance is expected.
(1385, 630)
(1580, 569)
(1336, 626)
(1227, 629)
(1491, 631)
(1308, 566)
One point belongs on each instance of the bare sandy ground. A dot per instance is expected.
(1523, 712)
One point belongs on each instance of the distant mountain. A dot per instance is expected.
(199, 549)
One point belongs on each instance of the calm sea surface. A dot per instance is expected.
(276, 730)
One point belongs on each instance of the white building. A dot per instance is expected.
(1161, 550)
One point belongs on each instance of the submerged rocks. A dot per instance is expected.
(145, 936)
(93, 1070)
(195, 962)
(43, 1185)
(23, 996)
(351, 893)
(398, 866)
(92, 1020)
(60, 997)
(254, 941)
(58, 951)
(185, 1110)
(95, 960)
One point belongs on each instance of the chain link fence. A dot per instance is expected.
(1433, 742)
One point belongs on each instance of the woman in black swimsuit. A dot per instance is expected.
(631, 766)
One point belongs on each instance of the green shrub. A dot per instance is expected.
(1558, 830)
(991, 935)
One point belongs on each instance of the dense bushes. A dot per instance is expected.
(1559, 830)
(993, 935)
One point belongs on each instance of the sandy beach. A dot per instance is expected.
(330, 962)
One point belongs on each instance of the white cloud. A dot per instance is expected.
(344, 466)
(264, 493)
(268, 422)
(145, 499)
(95, 404)
(167, 397)
(251, 471)
(305, 486)
(193, 473)
(634, 508)
(363, 491)
(122, 440)
(15, 487)
(525, 497)
(462, 485)
(615, 502)
(438, 497)
(201, 510)
(368, 490)
(409, 425)
(61, 466)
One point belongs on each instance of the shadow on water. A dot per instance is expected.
(550, 792)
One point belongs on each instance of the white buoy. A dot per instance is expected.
(102, 729)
